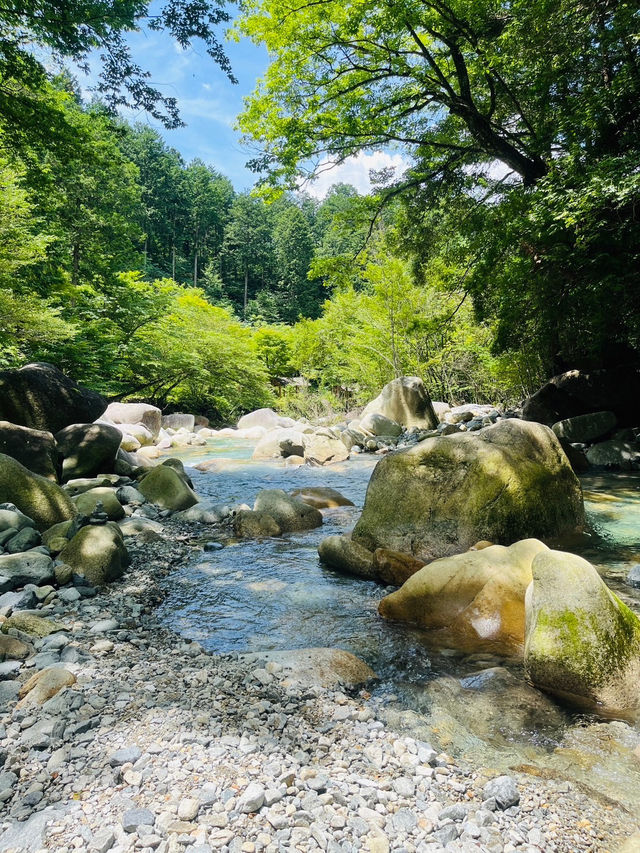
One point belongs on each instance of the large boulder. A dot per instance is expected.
(475, 600)
(507, 482)
(614, 453)
(165, 487)
(281, 442)
(378, 424)
(394, 567)
(324, 450)
(88, 501)
(41, 397)
(344, 555)
(33, 448)
(88, 449)
(289, 513)
(248, 524)
(97, 553)
(179, 420)
(577, 392)
(266, 418)
(135, 413)
(405, 401)
(585, 428)
(38, 498)
(28, 567)
(582, 642)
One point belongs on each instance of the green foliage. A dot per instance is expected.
(273, 347)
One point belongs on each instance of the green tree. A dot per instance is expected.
(294, 250)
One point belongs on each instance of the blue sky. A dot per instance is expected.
(209, 105)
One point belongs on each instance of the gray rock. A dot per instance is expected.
(102, 841)
(633, 578)
(456, 812)
(104, 626)
(128, 754)
(447, 834)
(205, 512)
(404, 820)
(252, 799)
(12, 519)
(503, 790)
(133, 818)
(69, 596)
(29, 567)
(9, 667)
(23, 540)
(130, 495)
(30, 834)
(25, 599)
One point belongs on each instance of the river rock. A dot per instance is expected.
(503, 790)
(248, 524)
(585, 428)
(324, 450)
(321, 497)
(165, 487)
(344, 555)
(88, 501)
(582, 642)
(37, 497)
(87, 449)
(266, 418)
(475, 600)
(281, 443)
(289, 513)
(135, 413)
(405, 401)
(179, 420)
(11, 648)
(33, 448)
(615, 454)
(577, 392)
(45, 684)
(324, 667)
(137, 526)
(41, 397)
(97, 553)
(23, 540)
(204, 512)
(378, 424)
(28, 567)
(35, 626)
(394, 567)
(12, 519)
(508, 482)
(440, 409)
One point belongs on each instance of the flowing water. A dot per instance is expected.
(253, 596)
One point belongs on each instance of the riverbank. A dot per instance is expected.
(161, 746)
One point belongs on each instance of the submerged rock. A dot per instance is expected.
(322, 666)
(508, 482)
(476, 600)
(321, 497)
(582, 642)
(289, 513)
(405, 401)
(37, 497)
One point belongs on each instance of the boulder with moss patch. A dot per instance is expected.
(406, 401)
(38, 498)
(165, 487)
(582, 642)
(97, 553)
(475, 601)
(289, 513)
(29, 623)
(88, 449)
(344, 555)
(88, 501)
(508, 482)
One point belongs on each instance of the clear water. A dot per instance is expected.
(274, 594)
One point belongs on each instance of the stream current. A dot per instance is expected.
(258, 595)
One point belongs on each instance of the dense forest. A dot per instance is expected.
(506, 252)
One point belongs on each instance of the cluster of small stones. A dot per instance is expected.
(160, 746)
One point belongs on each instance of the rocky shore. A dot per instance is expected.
(161, 746)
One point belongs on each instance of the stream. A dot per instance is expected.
(253, 596)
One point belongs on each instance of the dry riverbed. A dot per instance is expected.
(161, 746)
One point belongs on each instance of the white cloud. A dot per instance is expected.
(355, 171)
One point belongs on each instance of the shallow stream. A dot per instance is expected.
(254, 596)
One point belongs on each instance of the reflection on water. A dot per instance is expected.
(274, 594)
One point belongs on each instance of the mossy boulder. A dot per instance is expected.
(344, 555)
(97, 553)
(582, 642)
(474, 600)
(508, 482)
(248, 524)
(33, 448)
(35, 626)
(37, 497)
(88, 449)
(165, 487)
(289, 513)
(87, 502)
